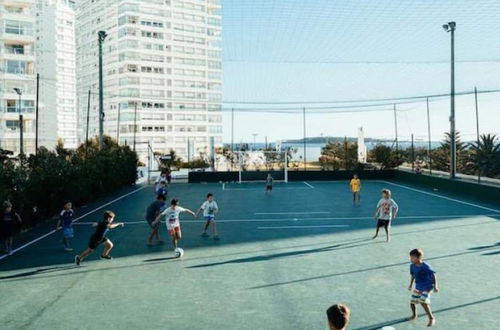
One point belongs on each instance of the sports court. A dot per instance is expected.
(282, 261)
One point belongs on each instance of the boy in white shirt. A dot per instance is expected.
(210, 208)
(386, 211)
(171, 215)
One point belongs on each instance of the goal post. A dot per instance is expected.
(254, 166)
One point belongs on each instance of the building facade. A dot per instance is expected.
(17, 39)
(55, 50)
(162, 73)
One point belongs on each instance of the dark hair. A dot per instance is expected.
(109, 214)
(417, 253)
(338, 316)
(210, 195)
(161, 196)
(66, 202)
(386, 191)
(174, 202)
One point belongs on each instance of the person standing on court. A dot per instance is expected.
(355, 186)
(386, 211)
(8, 225)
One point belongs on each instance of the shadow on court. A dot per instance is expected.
(442, 310)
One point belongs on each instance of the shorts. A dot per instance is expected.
(175, 230)
(68, 232)
(7, 229)
(383, 223)
(209, 218)
(269, 187)
(95, 242)
(421, 297)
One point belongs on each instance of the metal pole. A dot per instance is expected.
(36, 111)
(412, 154)
(345, 152)
(396, 132)
(88, 117)
(189, 151)
(118, 125)
(305, 143)
(101, 36)
(232, 129)
(453, 165)
(429, 135)
(135, 124)
(21, 129)
(477, 131)
(149, 161)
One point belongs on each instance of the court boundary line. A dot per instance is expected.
(303, 227)
(278, 213)
(441, 196)
(80, 217)
(315, 219)
(309, 185)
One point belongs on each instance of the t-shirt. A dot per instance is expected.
(269, 181)
(423, 275)
(387, 207)
(66, 218)
(101, 230)
(209, 208)
(355, 185)
(8, 217)
(161, 191)
(172, 216)
(154, 209)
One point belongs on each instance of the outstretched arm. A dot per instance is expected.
(114, 225)
(436, 288)
(191, 212)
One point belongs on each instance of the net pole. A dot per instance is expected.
(429, 135)
(286, 165)
(477, 132)
(239, 167)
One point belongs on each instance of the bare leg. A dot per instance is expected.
(413, 312)
(215, 228)
(387, 232)
(376, 232)
(85, 253)
(150, 238)
(428, 310)
(108, 245)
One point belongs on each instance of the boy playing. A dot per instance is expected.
(338, 317)
(386, 211)
(210, 208)
(99, 237)
(8, 225)
(66, 223)
(153, 210)
(425, 282)
(171, 215)
(162, 188)
(269, 183)
(355, 185)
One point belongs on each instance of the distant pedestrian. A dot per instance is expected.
(9, 220)
(355, 186)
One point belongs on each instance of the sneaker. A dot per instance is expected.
(217, 238)
(68, 249)
(78, 260)
(108, 257)
(204, 235)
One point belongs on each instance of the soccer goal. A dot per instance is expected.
(254, 166)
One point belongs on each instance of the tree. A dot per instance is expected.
(172, 160)
(486, 155)
(385, 156)
(441, 155)
(340, 154)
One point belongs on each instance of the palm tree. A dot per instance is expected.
(486, 154)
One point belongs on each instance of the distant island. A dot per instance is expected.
(334, 139)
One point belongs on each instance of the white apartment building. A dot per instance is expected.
(17, 70)
(56, 63)
(161, 57)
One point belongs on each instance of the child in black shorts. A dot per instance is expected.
(99, 237)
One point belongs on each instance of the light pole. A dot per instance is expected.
(451, 27)
(101, 36)
(21, 126)
(254, 137)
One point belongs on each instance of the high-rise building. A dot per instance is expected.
(56, 63)
(162, 72)
(17, 71)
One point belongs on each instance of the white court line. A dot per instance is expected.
(443, 197)
(264, 188)
(143, 222)
(223, 186)
(80, 217)
(272, 213)
(304, 227)
(307, 184)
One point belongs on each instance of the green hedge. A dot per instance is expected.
(46, 180)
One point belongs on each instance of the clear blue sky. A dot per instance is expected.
(328, 50)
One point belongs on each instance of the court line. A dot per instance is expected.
(223, 186)
(441, 196)
(313, 219)
(271, 213)
(80, 217)
(307, 184)
(274, 188)
(304, 227)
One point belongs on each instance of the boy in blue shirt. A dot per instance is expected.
(162, 189)
(66, 223)
(425, 282)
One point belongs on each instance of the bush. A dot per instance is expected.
(49, 178)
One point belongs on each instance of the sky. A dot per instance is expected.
(304, 52)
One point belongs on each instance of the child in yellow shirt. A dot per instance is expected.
(355, 185)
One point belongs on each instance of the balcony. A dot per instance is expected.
(19, 3)
(17, 35)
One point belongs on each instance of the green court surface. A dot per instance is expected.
(282, 261)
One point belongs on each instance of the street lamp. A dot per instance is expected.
(451, 27)
(21, 126)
